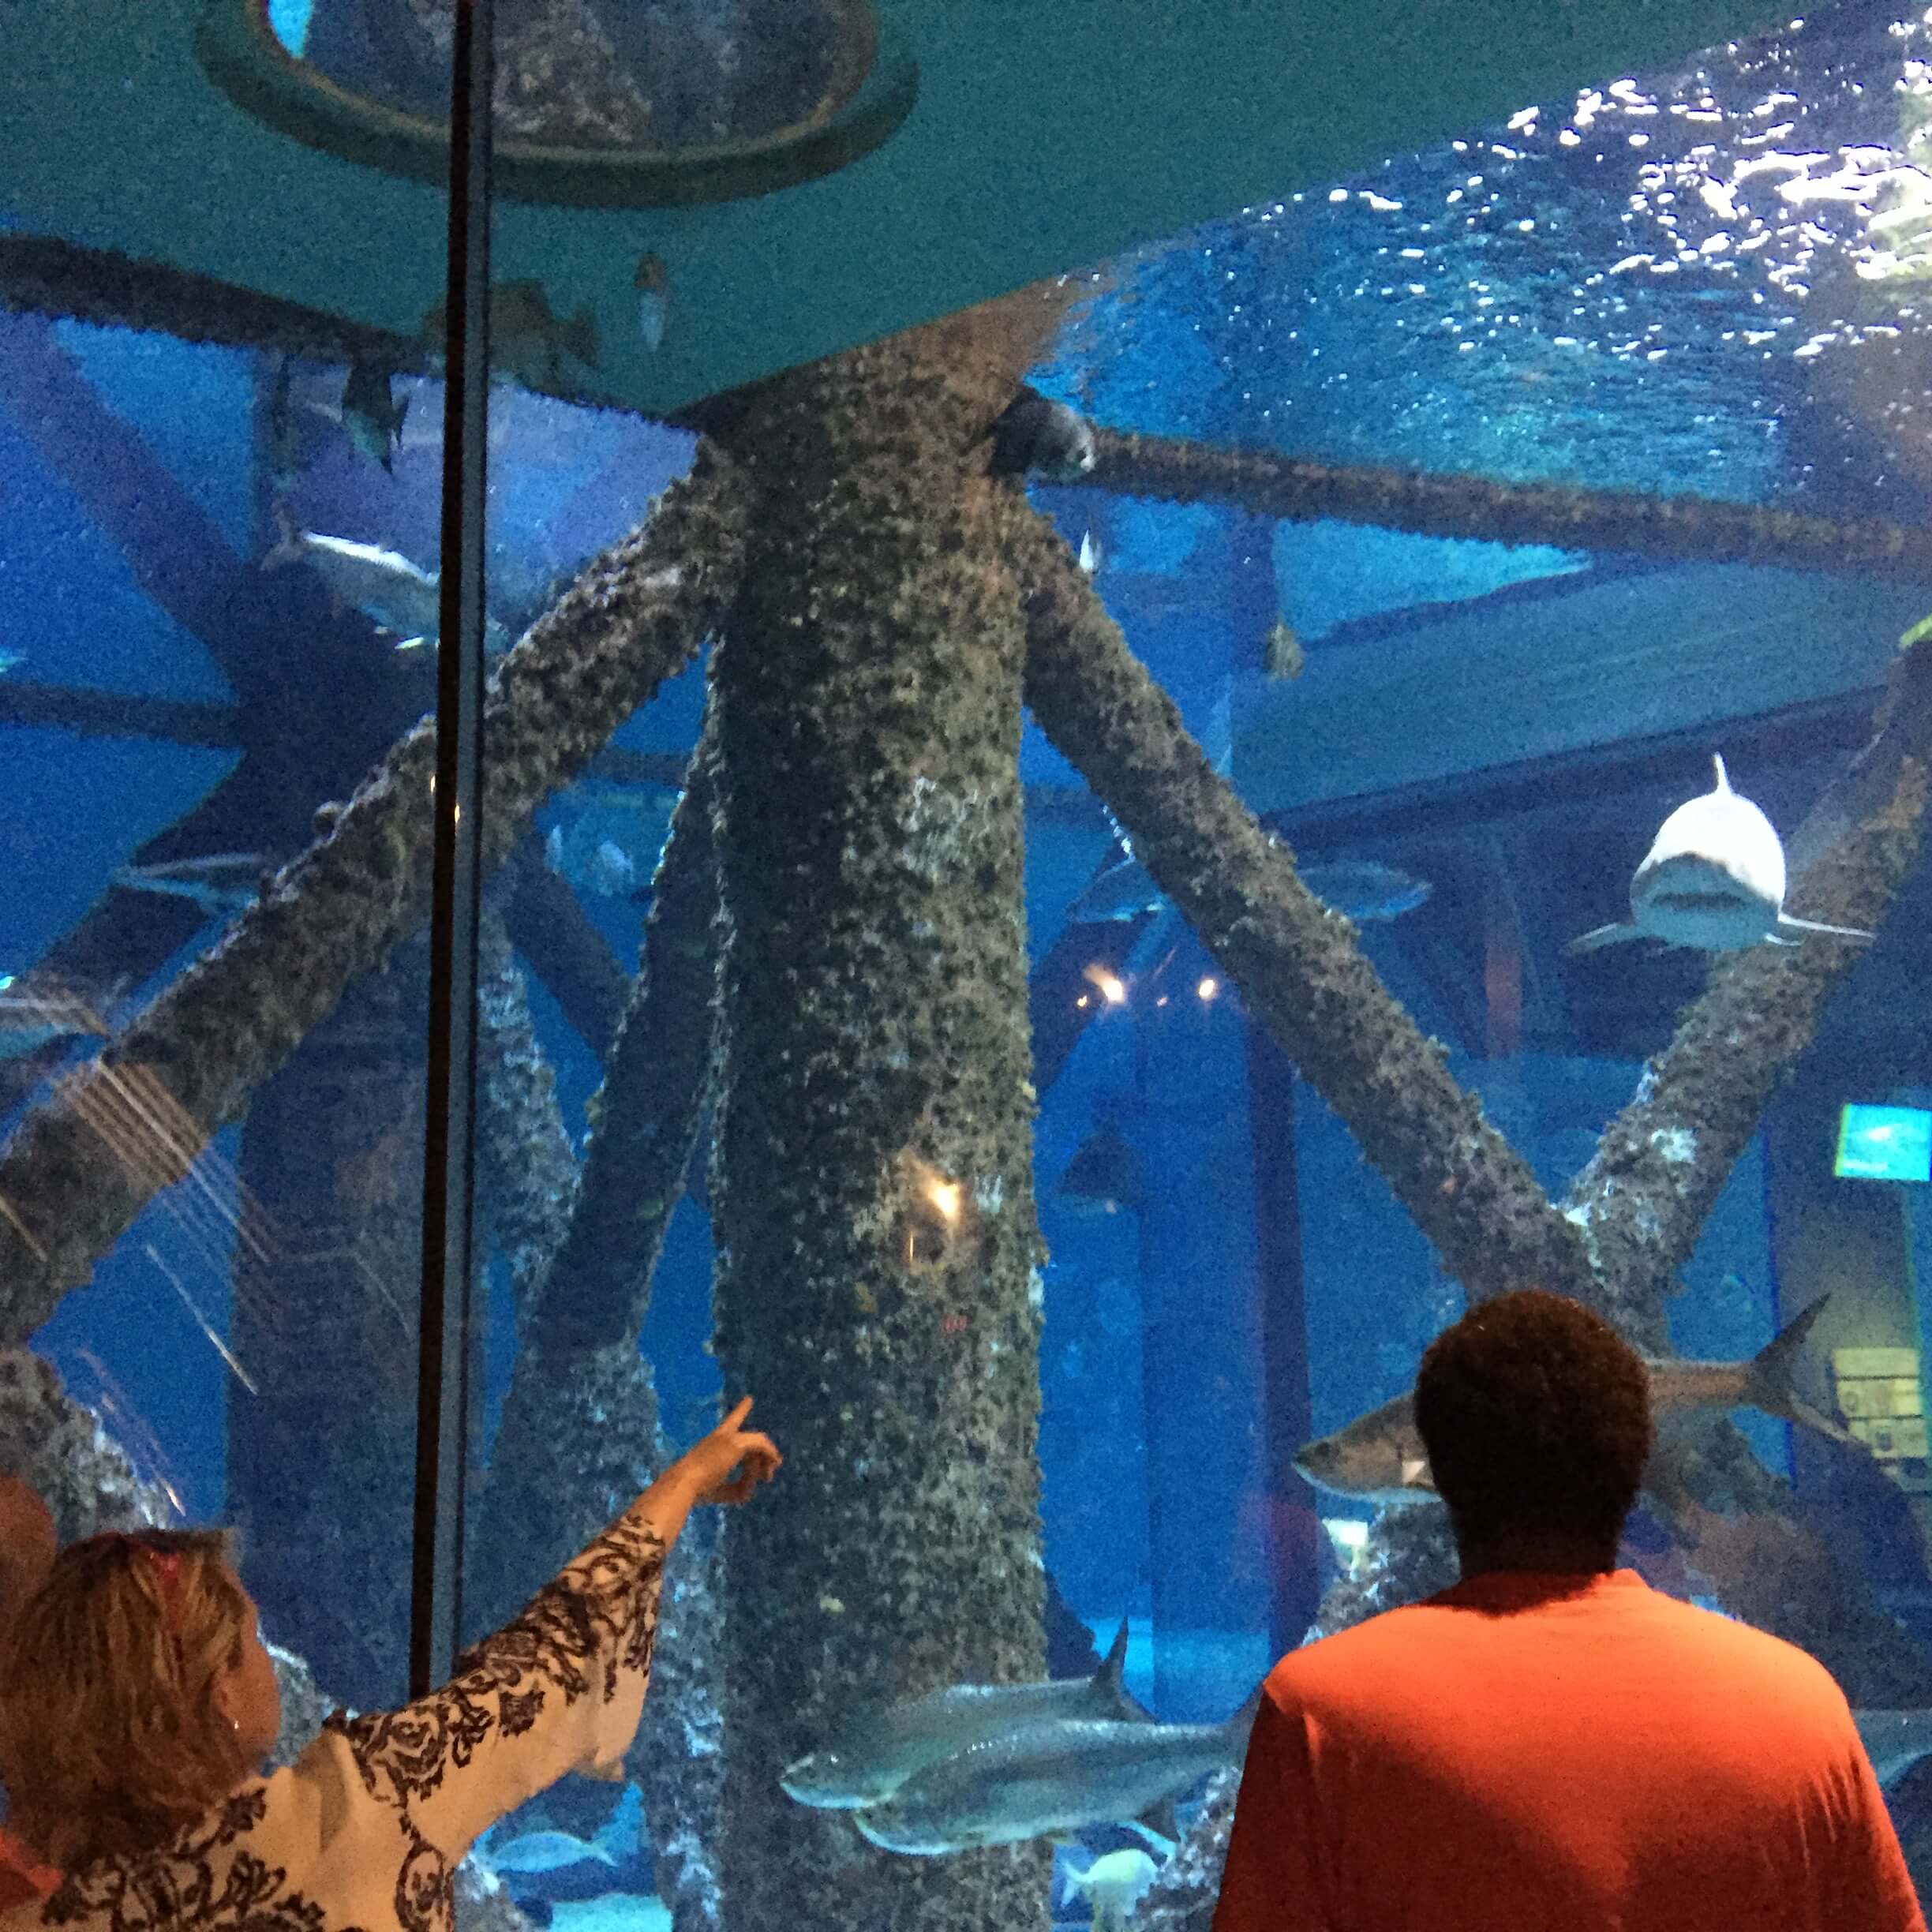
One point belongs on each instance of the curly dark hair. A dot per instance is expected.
(1536, 1414)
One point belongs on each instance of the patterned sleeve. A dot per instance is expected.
(559, 1688)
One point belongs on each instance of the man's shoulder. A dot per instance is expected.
(1364, 1650)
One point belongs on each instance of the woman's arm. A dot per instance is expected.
(561, 1686)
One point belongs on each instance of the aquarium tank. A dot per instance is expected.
(1080, 775)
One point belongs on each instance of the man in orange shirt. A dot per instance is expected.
(27, 1545)
(1552, 1746)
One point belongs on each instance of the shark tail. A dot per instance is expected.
(1767, 1379)
(1602, 936)
(1237, 1729)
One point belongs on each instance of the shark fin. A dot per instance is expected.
(1166, 1842)
(1237, 1729)
(1788, 923)
(1603, 936)
(1768, 1384)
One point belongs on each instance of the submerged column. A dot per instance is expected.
(878, 1285)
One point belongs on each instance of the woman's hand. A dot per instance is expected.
(726, 1466)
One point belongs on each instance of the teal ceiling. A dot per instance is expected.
(1043, 138)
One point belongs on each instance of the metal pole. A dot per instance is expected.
(442, 1388)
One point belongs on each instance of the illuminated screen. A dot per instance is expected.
(1884, 1144)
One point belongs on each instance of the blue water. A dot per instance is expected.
(1541, 302)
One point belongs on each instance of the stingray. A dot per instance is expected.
(1714, 879)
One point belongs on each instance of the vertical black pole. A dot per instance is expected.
(443, 1390)
(1287, 1410)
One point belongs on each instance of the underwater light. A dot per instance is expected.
(599, 104)
(1109, 986)
(1209, 986)
(1884, 1143)
(945, 1195)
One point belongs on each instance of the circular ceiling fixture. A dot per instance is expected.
(601, 103)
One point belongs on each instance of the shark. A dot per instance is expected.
(1894, 1740)
(36, 1012)
(222, 884)
(619, 1837)
(395, 595)
(1713, 879)
(867, 1762)
(1381, 1455)
(1049, 1778)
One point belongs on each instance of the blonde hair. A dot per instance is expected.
(110, 1737)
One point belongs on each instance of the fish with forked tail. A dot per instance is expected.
(1049, 1778)
(869, 1760)
(1714, 879)
(528, 338)
(1894, 1740)
(1036, 435)
(221, 883)
(1381, 1454)
(395, 595)
(371, 417)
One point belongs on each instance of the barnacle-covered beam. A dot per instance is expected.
(636, 615)
(1296, 963)
(1691, 528)
(526, 1168)
(878, 1288)
(1643, 1199)
(46, 274)
(598, 1288)
(579, 1434)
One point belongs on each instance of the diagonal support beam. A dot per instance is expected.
(1296, 963)
(637, 615)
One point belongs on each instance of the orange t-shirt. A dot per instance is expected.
(23, 1878)
(1558, 1753)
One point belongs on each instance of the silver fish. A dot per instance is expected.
(867, 1762)
(35, 1012)
(221, 883)
(1124, 891)
(1380, 1454)
(1894, 1740)
(1104, 1176)
(1713, 878)
(1363, 889)
(1049, 1778)
(394, 595)
(546, 1851)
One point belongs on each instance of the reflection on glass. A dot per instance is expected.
(656, 77)
(1599, 423)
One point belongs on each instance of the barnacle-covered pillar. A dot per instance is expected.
(877, 1289)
